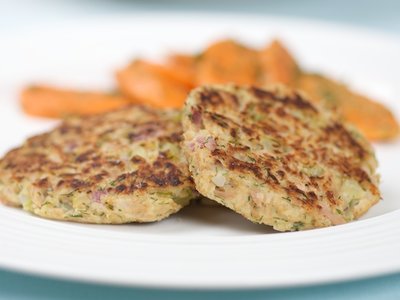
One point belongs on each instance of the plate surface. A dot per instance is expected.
(200, 247)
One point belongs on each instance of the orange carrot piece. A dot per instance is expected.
(373, 119)
(228, 61)
(183, 68)
(150, 84)
(277, 64)
(51, 102)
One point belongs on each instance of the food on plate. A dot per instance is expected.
(286, 156)
(51, 102)
(184, 66)
(119, 167)
(153, 84)
(276, 158)
(371, 118)
(228, 61)
(225, 61)
(278, 65)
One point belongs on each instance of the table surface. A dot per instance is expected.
(21, 15)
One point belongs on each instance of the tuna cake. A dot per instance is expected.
(123, 166)
(272, 156)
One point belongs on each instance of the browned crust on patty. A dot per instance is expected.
(278, 139)
(125, 153)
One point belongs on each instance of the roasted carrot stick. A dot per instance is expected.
(151, 84)
(51, 102)
(277, 65)
(183, 68)
(224, 61)
(228, 61)
(373, 119)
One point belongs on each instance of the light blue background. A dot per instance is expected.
(378, 14)
(20, 15)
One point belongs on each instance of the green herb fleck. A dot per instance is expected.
(251, 159)
(259, 220)
(198, 57)
(114, 182)
(297, 226)
(76, 215)
(70, 194)
(280, 219)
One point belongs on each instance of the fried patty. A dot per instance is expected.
(277, 159)
(119, 167)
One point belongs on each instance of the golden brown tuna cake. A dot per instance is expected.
(272, 156)
(123, 166)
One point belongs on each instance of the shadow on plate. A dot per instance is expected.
(213, 220)
(218, 216)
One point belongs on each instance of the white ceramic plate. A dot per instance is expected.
(198, 247)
